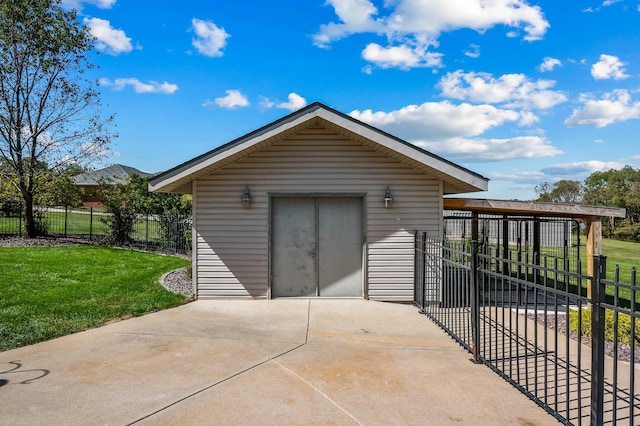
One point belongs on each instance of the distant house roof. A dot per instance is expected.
(115, 174)
(456, 179)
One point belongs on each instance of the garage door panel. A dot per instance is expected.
(340, 247)
(317, 247)
(294, 240)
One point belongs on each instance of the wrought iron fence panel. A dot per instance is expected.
(530, 319)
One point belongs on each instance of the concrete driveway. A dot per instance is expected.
(259, 362)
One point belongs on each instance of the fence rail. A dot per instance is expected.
(534, 324)
(151, 232)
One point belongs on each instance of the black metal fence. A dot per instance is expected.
(535, 324)
(170, 233)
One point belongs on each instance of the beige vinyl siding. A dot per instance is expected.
(233, 243)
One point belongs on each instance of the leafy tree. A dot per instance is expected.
(617, 188)
(562, 191)
(49, 111)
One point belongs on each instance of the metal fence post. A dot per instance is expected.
(423, 274)
(475, 302)
(597, 338)
(90, 222)
(146, 231)
(66, 218)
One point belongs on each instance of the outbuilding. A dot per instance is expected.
(316, 204)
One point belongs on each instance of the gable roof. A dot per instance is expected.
(116, 174)
(456, 179)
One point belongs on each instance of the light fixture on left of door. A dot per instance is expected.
(246, 197)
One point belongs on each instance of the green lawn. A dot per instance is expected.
(622, 253)
(49, 292)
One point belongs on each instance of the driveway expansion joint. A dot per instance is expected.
(241, 372)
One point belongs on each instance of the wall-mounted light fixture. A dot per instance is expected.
(246, 197)
(388, 199)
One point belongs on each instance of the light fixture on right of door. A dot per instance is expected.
(388, 199)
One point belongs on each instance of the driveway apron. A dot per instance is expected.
(283, 361)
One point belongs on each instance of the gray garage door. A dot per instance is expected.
(316, 247)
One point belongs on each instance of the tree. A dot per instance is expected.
(50, 113)
(617, 188)
(562, 191)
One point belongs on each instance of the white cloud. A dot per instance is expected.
(233, 99)
(108, 39)
(549, 63)
(452, 130)
(414, 26)
(614, 106)
(598, 141)
(210, 40)
(473, 52)
(513, 90)
(475, 150)
(295, 102)
(582, 168)
(438, 120)
(438, 16)
(610, 2)
(266, 103)
(356, 16)
(526, 177)
(402, 57)
(140, 87)
(608, 67)
(101, 4)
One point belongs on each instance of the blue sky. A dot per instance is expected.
(520, 92)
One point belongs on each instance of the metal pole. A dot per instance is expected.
(423, 274)
(597, 339)
(475, 302)
(65, 220)
(90, 222)
(416, 269)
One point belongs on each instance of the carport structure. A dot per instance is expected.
(536, 213)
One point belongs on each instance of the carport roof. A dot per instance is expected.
(456, 179)
(531, 208)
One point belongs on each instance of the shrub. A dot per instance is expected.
(41, 224)
(120, 221)
(624, 326)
